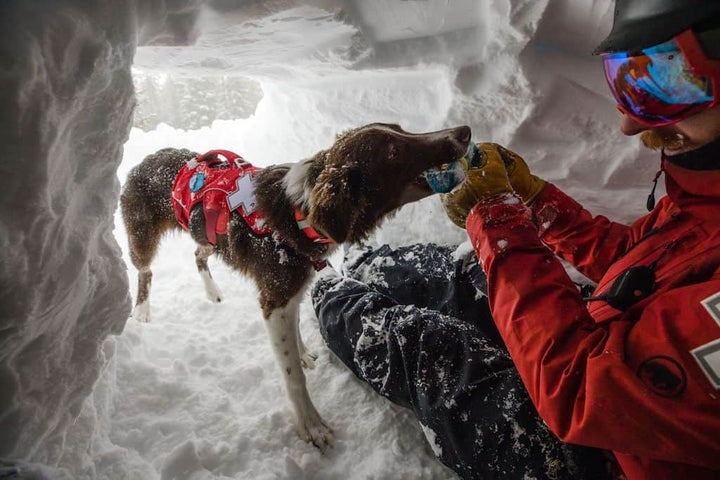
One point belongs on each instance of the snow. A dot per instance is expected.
(432, 439)
(196, 394)
(63, 288)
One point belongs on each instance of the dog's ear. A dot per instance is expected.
(336, 202)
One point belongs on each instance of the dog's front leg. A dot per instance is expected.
(282, 327)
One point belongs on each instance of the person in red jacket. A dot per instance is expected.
(636, 369)
(633, 368)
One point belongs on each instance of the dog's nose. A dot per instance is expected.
(463, 134)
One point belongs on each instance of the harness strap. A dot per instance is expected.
(309, 231)
(318, 264)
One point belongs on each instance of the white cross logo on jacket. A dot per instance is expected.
(244, 195)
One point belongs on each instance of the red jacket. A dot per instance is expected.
(643, 382)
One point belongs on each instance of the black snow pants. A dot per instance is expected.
(415, 324)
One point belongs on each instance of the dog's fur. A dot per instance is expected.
(344, 191)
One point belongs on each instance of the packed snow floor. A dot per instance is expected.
(198, 394)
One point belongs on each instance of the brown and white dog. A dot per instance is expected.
(344, 192)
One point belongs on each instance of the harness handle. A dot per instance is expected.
(211, 157)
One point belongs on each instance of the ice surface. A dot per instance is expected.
(196, 393)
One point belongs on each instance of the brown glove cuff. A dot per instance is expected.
(538, 184)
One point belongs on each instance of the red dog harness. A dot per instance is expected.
(224, 187)
(310, 232)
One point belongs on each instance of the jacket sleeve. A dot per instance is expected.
(578, 373)
(590, 244)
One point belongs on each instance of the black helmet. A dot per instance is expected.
(640, 24)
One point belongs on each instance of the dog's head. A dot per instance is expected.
(371, 171)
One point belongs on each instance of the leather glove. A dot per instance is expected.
(487, 180)
(526, 185)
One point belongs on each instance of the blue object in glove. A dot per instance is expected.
(446, 177)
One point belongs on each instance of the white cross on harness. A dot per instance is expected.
(243, 195)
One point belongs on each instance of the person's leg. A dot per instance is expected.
(441, 278)
(461, 384)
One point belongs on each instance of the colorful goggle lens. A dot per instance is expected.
(657, 86)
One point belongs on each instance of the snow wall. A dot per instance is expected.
(67, 98)
(517, 71)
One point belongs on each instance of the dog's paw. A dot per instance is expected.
(314, 430)
(307, 360)
(141, 312)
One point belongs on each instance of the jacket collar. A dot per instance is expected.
(693, 179)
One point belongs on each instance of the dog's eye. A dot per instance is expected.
(392, 152)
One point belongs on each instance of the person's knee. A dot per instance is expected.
(321, 287)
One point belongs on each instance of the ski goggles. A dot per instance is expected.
(665, 83)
